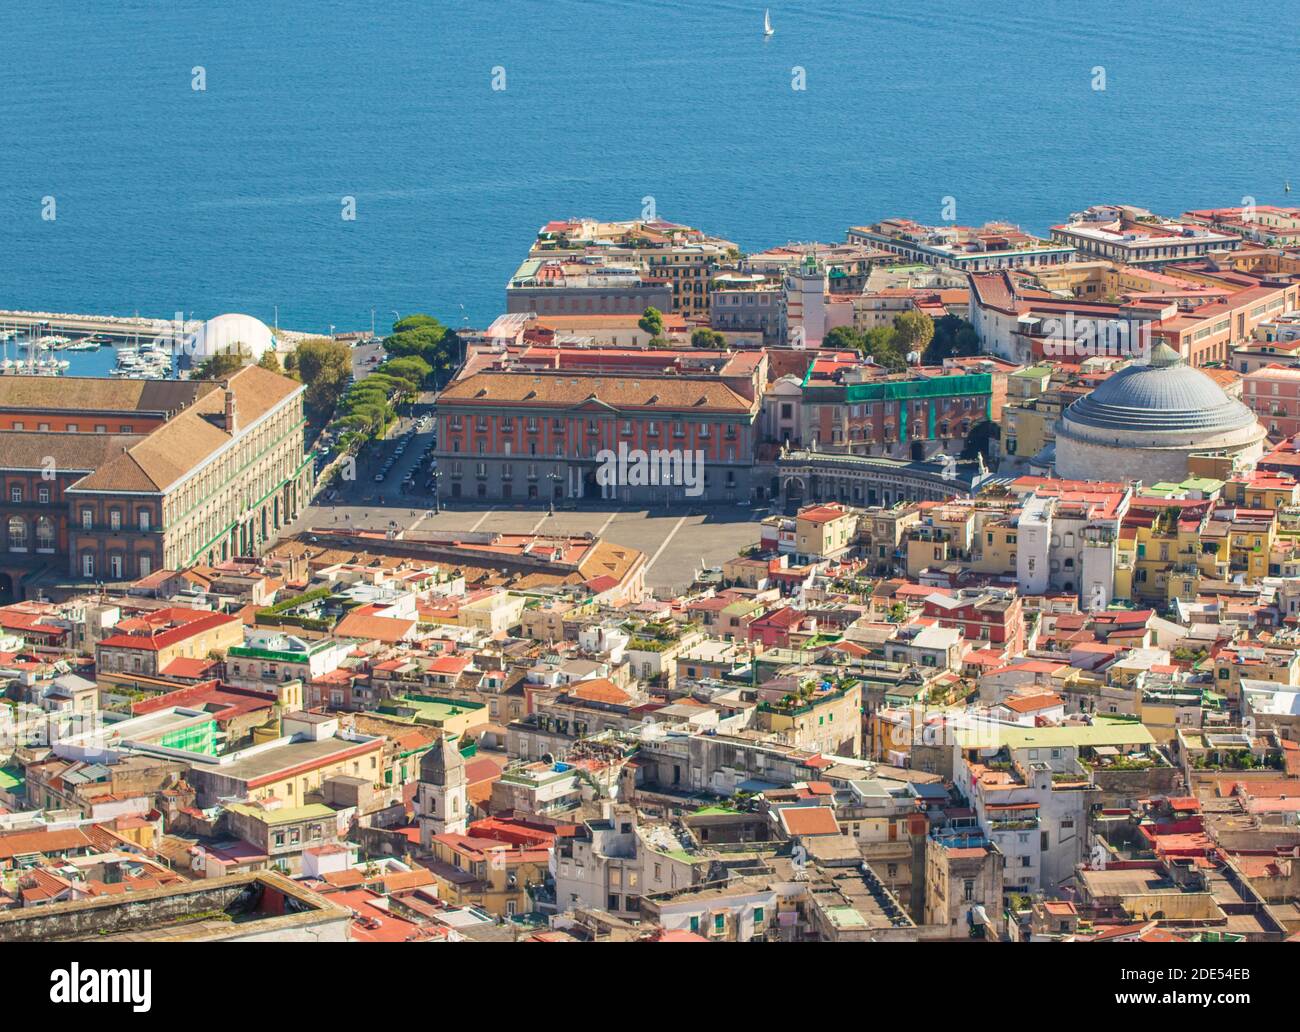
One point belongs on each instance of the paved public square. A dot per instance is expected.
(676, 543)
(677, 540)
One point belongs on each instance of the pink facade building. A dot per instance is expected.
(1273, 394)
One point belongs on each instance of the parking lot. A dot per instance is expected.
(676, 543)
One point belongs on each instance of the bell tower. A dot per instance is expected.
(441, 798)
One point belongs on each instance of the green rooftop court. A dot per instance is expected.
(197, 738)
(13, 781)
(1205, 486)
(429, 709)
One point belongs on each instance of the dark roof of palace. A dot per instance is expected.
(180, 444)
(154, 461)
(61, 453)
(100, 394)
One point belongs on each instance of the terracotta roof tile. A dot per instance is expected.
(100, 393)
(619, 392)
(599, 690)
(809, 820)
(170, 452)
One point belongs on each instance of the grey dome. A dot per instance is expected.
(1163, 394)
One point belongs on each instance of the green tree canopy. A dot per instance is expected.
(376, 415)
(370, 395)
(652, 322)
(842, 338)
(881, 344)
(424, 337)
(384, 382)
(703, 338)
(223, 364)
(915, 330)
(323, 365)
(419, 321)
(412, 369)
(954, 337)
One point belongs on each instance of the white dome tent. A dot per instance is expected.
(223, 335)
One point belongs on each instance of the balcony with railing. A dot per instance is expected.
(998, 825)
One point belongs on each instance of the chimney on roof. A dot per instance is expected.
(230, 412)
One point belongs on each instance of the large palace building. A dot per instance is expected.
(109, 480)
(534, 426)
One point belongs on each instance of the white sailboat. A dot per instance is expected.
(767, 22)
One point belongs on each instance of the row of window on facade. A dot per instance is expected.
(556, 305)
(559, 426)
(115, 515)
(580, 450)
(19, 539)
(16, 494)
(73, 428)
(121, 661)
(508, 473)
(870, 409)
(763, 297)
(143, 519)
(117, 565)
(507, 491)
(917, 431)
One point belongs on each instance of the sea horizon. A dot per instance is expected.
(231, 197)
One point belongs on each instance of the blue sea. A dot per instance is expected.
(230, 198)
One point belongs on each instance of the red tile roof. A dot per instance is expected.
(362, 623)
(823, 513)
(165, 627)
(809, 820)
(599, 690)
(375, 924)
(1031, 703)
(188, 667)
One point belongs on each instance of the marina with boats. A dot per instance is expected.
(39, 348)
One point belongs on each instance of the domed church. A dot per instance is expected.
(1143, 422)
